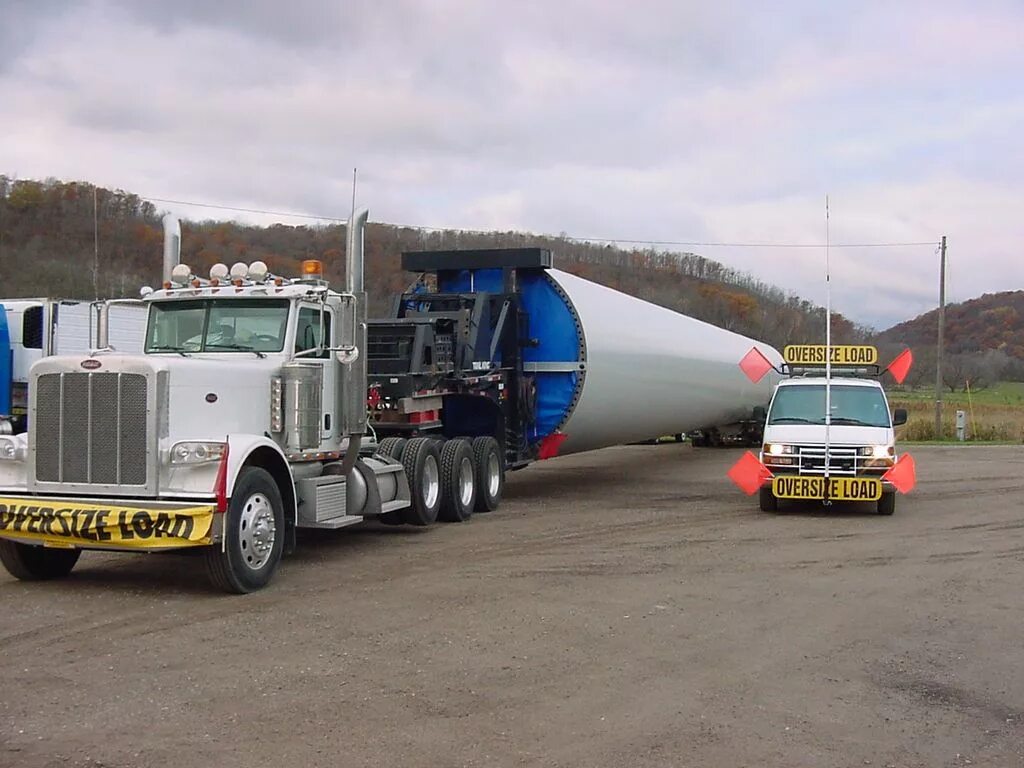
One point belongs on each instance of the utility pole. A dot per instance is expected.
(939, 345)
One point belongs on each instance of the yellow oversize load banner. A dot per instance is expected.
(839, 488)
(72, 523)
(814, 354)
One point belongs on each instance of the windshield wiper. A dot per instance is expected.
(850, 420)
(794, 419)
(166, 348)
(236, 348)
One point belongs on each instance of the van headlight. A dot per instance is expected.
(779, 449)
(878, 451)
(192, 452)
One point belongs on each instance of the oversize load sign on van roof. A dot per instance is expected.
(814, 354)
(71, 523)
(839, 488)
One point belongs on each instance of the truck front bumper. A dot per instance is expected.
(122, 524)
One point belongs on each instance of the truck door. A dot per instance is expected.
(307, 336)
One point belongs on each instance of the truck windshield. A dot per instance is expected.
(859, 406)
(217, 325)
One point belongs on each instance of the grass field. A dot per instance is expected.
(994, 414)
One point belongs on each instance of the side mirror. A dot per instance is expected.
(899, 416)
(759, 414)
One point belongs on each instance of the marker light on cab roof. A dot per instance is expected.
(181, 273)
(239, 270)
(219, 271)
(258, 271)
(312, 268)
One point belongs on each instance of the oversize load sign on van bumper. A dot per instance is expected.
(839, 488)
(72, 523)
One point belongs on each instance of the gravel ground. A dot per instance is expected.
(626, 607)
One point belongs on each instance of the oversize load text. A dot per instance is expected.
(843, 355)
(839, 488)
(106, 526)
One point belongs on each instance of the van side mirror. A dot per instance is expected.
(899, 416)
(759, 414)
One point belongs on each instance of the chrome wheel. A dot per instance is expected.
(466, 481)
(431, 487)
(493, 475)
(257, 531)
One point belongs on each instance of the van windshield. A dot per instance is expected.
(224, 325)
(859, 406)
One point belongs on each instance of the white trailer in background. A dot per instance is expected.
(38, 328)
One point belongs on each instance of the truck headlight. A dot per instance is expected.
(12, 449)
(196, 452)
(779, 449)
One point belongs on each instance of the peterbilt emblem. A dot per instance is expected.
(211, 397)
(91, 364)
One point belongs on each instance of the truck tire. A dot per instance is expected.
(30, 563)
(422, 465)
(392, 447)
(767, 501)
(490, 473)
(458, 481)
(887, 504)
(253, 535)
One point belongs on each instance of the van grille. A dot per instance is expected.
(91, 428)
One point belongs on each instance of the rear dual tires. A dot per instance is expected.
(490, 473)
(253, 535)
(458, 481)
(392, 447)
(422, 464)
(31, 563)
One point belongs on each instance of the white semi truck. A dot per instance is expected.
(246, 417)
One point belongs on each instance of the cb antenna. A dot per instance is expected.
(828, 348)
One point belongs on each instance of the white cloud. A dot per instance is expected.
(660, 120)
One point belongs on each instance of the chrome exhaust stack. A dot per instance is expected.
(172, 244)
(351, 357)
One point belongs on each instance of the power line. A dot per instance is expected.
(575, 239)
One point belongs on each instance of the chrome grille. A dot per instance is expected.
(91, 428)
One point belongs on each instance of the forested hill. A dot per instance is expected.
(993, 321)
(46, 249)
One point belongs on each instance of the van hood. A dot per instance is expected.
(839, 434)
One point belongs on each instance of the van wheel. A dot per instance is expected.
(458, 481)
(422, 465)
(887, 504)
(31, 563)
(490, 473)
(767, 500)
(253, 535)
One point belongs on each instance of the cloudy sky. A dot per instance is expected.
(662, 121)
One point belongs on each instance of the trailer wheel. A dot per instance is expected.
(458, 481)
(31, 563)
(392, 447)
(490, 473)
(253, 535)
(887, 504)
(422, 465)
(767, 500)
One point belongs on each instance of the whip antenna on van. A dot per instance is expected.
(828, 346)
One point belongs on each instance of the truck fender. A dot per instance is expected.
(259, 451)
